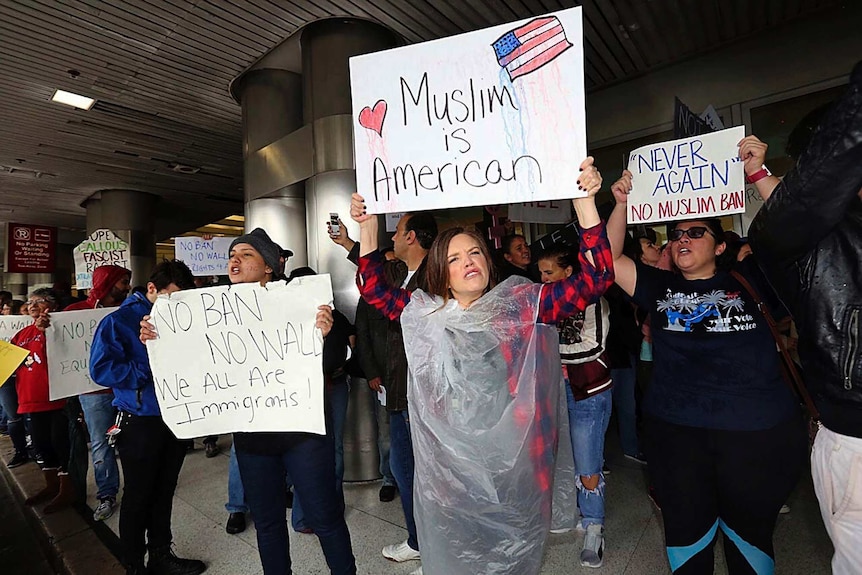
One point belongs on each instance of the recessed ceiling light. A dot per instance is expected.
(75, 100)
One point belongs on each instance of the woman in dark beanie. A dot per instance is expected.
(266, 458)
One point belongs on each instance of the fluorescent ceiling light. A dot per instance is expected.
(74, 100)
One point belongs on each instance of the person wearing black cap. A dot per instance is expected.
(265, 458)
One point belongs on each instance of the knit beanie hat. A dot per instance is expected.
(260, 240)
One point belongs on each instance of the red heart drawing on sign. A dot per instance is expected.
(372, 118)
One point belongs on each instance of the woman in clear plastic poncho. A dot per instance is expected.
(484, 390)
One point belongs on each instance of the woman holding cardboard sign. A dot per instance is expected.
(723, 436)
(264, 459)
(484, 369)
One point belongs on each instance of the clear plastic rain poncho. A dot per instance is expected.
(484, 396)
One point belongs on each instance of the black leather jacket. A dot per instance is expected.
(808, 238)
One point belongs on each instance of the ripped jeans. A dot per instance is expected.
(588, 422)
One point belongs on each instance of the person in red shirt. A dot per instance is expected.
(48, 421)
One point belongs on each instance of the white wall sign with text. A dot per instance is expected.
(241, 358)
(495, 116)
(204, 257)
(695, 177)
(68, 340)
(101, 248)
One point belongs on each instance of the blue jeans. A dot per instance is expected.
(235, 492)
(401, 462)
(100, 414)
(15, 421)
(337, 395)
(309, 462)
(588, 422)
(625, 381)
(382, 418)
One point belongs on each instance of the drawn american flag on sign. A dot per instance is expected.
(531, 46)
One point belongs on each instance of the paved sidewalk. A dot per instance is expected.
(633, 529)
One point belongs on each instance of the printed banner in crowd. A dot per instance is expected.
(495, 116)
(694, 177)
(11, 357)
(204, 257)
(244, 357)
(68, 340)
(102, 248)
(550, 212)
(12, 324)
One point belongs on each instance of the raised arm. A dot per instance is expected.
(566, 297)
(371, 278)
(624, 268)
(752, 152)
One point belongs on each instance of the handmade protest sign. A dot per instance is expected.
(204, 257)
(244, 357)
(550, 212)
(11, 357)
(12, 324)
(495, 116)
(695, 177)
(67, 341)
(101, 248)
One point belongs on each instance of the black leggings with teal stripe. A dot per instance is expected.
(734, 482)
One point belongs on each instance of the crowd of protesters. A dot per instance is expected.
(472, 346)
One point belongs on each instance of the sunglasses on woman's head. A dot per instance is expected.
(694, 233)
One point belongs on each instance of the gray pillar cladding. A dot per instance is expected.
(298, 146)
(131, 215)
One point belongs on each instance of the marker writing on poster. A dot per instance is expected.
(420, 104)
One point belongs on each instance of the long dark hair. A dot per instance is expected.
(438, 265)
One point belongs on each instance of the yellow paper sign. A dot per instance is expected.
(11, 357)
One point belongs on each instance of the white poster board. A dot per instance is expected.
(495, 116)
(67, 342)
(101, 248)
(697, 177)
(12, 324)
(549, 212)
(240, 358)
(204, 257)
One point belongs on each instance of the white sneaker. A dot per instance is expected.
(417, 571)
(400, 552)
(785, 509)
(594, 547)
(105, 509)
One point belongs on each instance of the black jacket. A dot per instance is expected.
(808, 238)
(394, 366)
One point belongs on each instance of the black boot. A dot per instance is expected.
(164, 562)
(136, 568)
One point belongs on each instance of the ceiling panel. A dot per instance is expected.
(160, 71)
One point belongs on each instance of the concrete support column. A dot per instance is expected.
(327, 46)
(131, 215)
(275, 157)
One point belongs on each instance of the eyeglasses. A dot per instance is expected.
(695, 232)
(38, 301)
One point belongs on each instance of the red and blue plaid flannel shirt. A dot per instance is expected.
(557, 301)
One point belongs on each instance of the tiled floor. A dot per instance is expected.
(633, 528)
